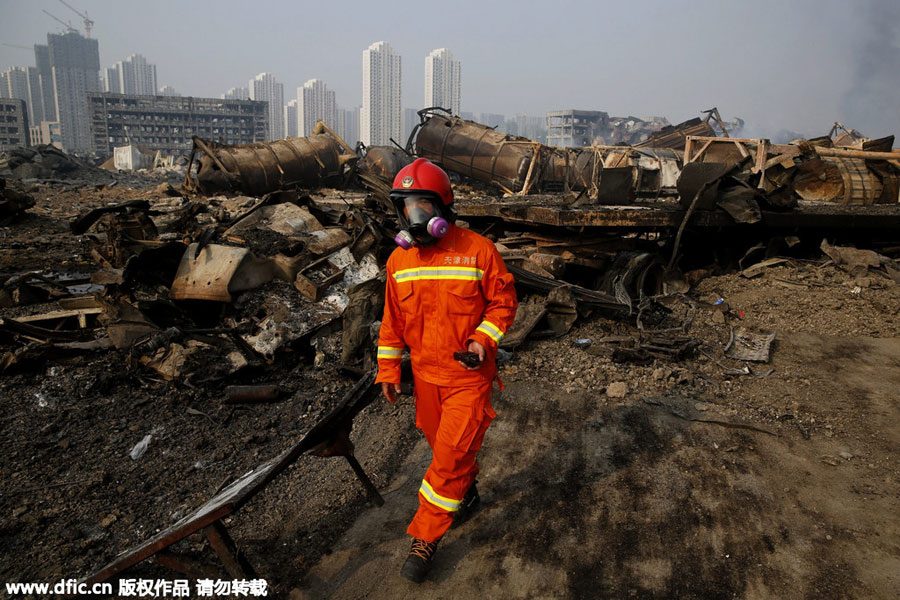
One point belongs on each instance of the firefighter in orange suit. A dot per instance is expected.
(448, 290)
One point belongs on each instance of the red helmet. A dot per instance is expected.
(423, 176)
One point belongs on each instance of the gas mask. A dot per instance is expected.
(422, 219)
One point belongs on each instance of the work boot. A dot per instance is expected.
(470, 503)
(418, 562)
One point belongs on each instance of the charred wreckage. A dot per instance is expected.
(269, 245)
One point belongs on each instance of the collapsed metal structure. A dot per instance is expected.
(617, 175)
(610, 175)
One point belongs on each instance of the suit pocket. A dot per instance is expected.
(471, 434)
(407, 301)
(464, 301)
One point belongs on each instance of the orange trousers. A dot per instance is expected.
(454, 421)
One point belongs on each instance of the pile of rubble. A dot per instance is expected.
(184, 284)
(200, 289)
(39, 162)
(198, 278)
(48, 165)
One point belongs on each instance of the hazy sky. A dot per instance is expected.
(795, 64)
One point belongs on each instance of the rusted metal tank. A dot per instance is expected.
(514, 163)
(383, 162)
(262, 167)
(845, 180)
(378, 167)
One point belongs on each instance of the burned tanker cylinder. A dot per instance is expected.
(378, 167)
(262, 167)
(516, 164)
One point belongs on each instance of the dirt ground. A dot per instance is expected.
(689, 479)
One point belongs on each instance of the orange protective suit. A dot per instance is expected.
(438, 299)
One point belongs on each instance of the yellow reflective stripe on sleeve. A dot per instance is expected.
(389, 352)
(420, 273)
(490, 330)
(447, 504)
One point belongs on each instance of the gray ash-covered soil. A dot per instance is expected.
(693, 482)
(73, 498)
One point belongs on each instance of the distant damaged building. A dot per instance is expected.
(168, 123)
(13, 123)
(575, 128)
(583, 128)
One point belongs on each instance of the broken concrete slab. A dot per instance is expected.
(285, 218)
(293, 221)
(215, 272)
(853, 260)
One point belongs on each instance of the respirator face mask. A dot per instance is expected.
(422, 220)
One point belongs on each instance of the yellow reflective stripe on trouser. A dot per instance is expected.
(438, 500)
(419, 273)
(490, 330)
(389, 352)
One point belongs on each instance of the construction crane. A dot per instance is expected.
(18, 46)
(68, 26)
(87, 21)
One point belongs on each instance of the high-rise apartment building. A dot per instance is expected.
(75, 64)
(24, 83)
(237, 93)
(380, 116)
(14, 83)
(347, 124)
(35, 96)
(290, 119)
(134, 75)
(315, 102)
(110, 80)
(144, 75)
(48, 92)
(442, 80)
(265, 88)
